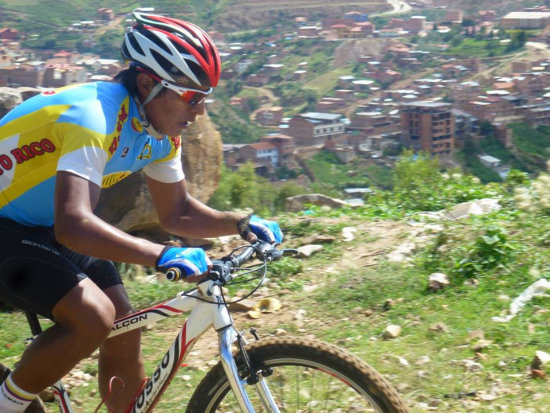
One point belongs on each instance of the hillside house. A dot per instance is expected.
(314, 128)
(63, 75)
(490, 108)
(532, 83)
(465, 125)
(537, 116)
(330, 104)
(269, 116)
(345, 81)
(285, 145)
(374, 123)
(464, 91)
(309, 31)
(264, 155)
(414, 25)
(8, 34)
(453, 17)
(22, 75)
(105, 14)
(525, 20)
(257, 80)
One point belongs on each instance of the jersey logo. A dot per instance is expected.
(24, 153)
(111, 179)
(146, 152)
(125, 152)
(136, 125)
(122, 116)
(176, 140)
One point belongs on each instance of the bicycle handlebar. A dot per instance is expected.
(222, 269)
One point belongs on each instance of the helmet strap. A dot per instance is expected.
(149, 128)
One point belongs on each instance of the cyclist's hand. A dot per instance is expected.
(254, 227)
(193, 263)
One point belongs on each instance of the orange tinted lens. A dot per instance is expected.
(193, 98)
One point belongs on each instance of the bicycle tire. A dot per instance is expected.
(300, 364)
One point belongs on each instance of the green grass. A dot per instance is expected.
(330, 171)
(336, 311)
(479, 48)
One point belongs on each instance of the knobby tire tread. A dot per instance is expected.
(298, 348)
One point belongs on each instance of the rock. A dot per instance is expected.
(298, 203)
(348, 233)
(438, 281)
(481, 345)
(402, 252)
(392, 331)
(242, 305)
(439, 327)
(476, 335)
(477, 207)
(308, 250)
(541, 360)
(422, 360)
(471, 365)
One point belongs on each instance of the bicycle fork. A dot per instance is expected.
(227, 336)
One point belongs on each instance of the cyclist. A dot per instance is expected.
(57, 150)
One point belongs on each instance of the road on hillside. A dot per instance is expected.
(398, 6)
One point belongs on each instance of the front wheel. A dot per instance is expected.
(303, 376)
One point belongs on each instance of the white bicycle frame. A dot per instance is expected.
(207, 309)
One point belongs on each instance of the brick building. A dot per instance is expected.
(314, 128)
(428, 126)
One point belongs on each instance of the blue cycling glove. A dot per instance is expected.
(268, 231)
(189, 261)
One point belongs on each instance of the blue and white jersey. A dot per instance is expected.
(93, 130)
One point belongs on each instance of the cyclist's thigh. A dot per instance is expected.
(34, 274)
(102, 272)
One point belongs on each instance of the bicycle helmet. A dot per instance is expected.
(172, 49)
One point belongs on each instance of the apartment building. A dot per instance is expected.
(428, 126)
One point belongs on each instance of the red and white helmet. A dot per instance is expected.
(172, 49)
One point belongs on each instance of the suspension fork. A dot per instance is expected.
(227, 336)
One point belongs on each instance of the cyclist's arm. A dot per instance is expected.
(181, 214)
(79, 229)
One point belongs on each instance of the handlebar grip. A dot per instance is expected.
(173, 274)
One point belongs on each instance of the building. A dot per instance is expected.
(315, 128)
(525, 20)
(264, 155)
(285, 146)
(8, 34)
(269, 116)
(428, 126)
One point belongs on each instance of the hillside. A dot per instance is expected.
(226, 16)
(459, 347)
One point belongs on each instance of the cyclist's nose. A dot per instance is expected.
(199, 108)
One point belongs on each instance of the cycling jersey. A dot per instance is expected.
(93, 130)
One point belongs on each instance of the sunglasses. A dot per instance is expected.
(188, 95)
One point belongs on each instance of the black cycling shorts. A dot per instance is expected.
(36, 271)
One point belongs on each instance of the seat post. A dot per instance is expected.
(34, 324)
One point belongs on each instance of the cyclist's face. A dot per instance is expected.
(168, 112)
(170, 115)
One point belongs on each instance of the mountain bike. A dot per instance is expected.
(274, 374)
